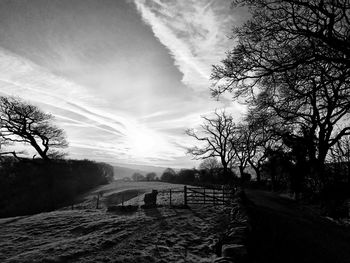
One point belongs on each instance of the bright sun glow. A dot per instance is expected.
(143, 143)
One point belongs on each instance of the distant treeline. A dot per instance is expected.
(32, 186)
(198, 176)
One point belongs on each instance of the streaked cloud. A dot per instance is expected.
(124, 79)
(80, 113)
(195, 32)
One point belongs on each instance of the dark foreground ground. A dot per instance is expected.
(283, 232)
(161, 235)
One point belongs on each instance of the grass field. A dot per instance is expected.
(129, 192)
(94, 235)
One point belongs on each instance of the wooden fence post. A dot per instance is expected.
(97, 200)
(170, 196)
(223, 195)
(204, 195)
(185, 194)
(214, 196)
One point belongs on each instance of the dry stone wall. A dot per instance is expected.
(232, 248)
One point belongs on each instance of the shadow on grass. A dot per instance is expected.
(121, 197)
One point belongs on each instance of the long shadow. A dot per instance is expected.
(284, 236)
(123, 196)
(153, 212)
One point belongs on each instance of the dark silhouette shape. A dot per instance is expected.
(25, 123)
(292, 63)
(169, 175)
(138, 177)
(150, 176)
(150, 199)
(216, 134)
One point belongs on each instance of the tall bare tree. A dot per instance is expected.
(266, 136)
(286, 55)
(340, 156)
(283, 35)
(25, 123)
(209, 164)
(243, 143)
(215, 137)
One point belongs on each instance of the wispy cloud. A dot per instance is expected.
(123, 82)
(88, 123)
(195, 32)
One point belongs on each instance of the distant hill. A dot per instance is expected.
(126, 170)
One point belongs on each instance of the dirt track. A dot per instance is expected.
(283, 232)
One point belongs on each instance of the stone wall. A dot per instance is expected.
(232, 247)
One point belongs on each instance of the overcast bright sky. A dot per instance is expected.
(123, 78)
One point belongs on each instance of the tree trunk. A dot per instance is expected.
(38, 149)
(225, 166)
(258, 174)
(241, 170)
(320, 169)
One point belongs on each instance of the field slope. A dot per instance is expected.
(90, 235)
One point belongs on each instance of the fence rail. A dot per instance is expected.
(195, 195)
(201, 195)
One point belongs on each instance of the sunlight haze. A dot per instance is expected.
(124, 79)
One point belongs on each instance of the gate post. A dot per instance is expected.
(185, 194)
(214, 196)
(204, 195)
(223, 195)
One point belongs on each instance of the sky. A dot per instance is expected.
(123, 78)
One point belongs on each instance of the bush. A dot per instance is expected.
(33, 186)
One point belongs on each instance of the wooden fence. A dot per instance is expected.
(200, 195)
(214, 196)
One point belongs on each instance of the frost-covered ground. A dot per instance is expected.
(118, 191)
(89, 235)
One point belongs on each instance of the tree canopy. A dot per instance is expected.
(215, 136)
(21, 122)
(291, 62)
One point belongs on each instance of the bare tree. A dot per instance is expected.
(25, 123)
(244, 146)
(340, 156)
(209, 164)
(286, 55)
(283, 35)
(151, 176)
(215, 135)
(138, 177)
(266, 135)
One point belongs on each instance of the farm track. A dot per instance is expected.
(283, 231)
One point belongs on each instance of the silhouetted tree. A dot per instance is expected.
(23, 184)
(26, 123)
(168, 175)
(151, 176)
(277, 168)
(215, 136)
(138, 177)
(243, 142)
(265, 136)
(340, 158)
(186, 176)
(283, 35)
(209, 164)
(286, 57)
